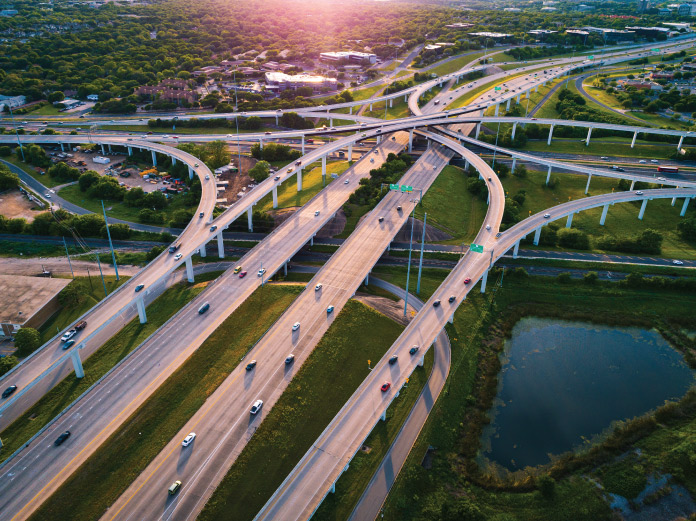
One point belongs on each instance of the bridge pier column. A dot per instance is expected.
(516, 250)
(332, 490)
(512, 169)
(507, 107)
(497, 108)
(299, 179)
(203, 251)
(350, 110)
(109, 148)
(275, 197)
(140, 303)
(482, 112)
(569, 221)
(466, 164)
(550, 135)
(303, 152)
(221, 246)
(633, 183)
(250, 222)
(261, 143)
(536, 89)
(323, 169)
(102, 148)
(642, 209)
(548, 175)
(311, 240)
(384, 416)
(451, 319)
(674, 200)
(189, 269)
(681, 140)
(285, 268)
(589, 133)
(518, 98)
(527, 93)
(190, 173)
(367, 279)
(603, 219)
(478, 129)
(130, 151)
(370, 107)
(484, 279)
(173, 160)
(587, 187)
(514, 129)
(405, 98)
(421, 361)
(276, 116)
(331, 122)
(154, 158)
(633, 141)
(62, 148)
(537, 234)
(686, 204)
(391, 102)
(410, 141)
(350, 152)
(77, 363)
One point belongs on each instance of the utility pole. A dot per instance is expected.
(16, 132)
(496, 144)
(111, 245)
(68, 256)
(106, 294)
(90, 280)
(408, 270)
(420, 264)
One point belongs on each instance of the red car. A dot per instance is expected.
(242, 274)
(385, 386)
(467, 280)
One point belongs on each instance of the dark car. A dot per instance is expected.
(9, 391)
(436, 303)
(81, 325)
(413, 350)
(203, 308)
(68, 344)
(452, 298)
(393, 360)
(213, 228)
(139, 287)
(62, 438)
(251, 365)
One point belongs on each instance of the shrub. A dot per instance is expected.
(27, 340)
(564, 278)
(573, 238)
(590, 277)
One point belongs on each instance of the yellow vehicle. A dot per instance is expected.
(238, 269)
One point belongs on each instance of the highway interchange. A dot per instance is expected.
(38, 470)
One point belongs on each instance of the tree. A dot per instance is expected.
(155, 200)
(7, 363)
(42, 223)
(590, 277)
(547, 485)
(27, 340)
(650, 241)
(16, 225)
(71, 295)
(88, 225)
(119, 231)
(687, 229)
(87, 179)
(181, 218)
(217, 154)
(134, 197)
(56, 96)
(8, 179)
(63, 172)
(573, 238)
(35, 155)
(5, 151)
(260, 171)
(252, 123)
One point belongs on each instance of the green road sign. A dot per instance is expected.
(591, 57)
(655, 50)
(407, 188)
(476, 247)
(393, 187)
(498, 88)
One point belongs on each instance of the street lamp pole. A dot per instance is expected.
(408, 270)
(21, 149)
(420, 263)
(496, 144)
(111, 244)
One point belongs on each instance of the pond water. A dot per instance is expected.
(563, 383)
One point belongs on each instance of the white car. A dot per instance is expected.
(188, 440)
(661, 179)
(345, 182)
(642, 161)
(677, 262)
(68, 335)
(654, 161)
(318, 287)
(316, 213)
(177, 256)
(547, 215)
(207, 177)
(48, 196)
(261, 272)
(296, 326)
(257, 406)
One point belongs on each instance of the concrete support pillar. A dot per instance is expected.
(514, 129)
(379, 139)
(332, 490)
(527, 93)
(350, 152)
(140, 303)
(686, 204)
(603, 218)
(154, 158)
(62, 148)
(466, 164)
(478, 130)
(518, 98)
(203, 251)
(323, 167)
(331, 122)
(405, 98)
(512, 169)
(350, 110)
(589, 133)
(507, 107)
(410, 141)
(587, 187)
(537, 234)
(536, 89)
(77, 363)
(497, 108)
(299, 179)
(303, 152)
(484, 279)
(384, 416)
(311, 240)
(173, 160)
(483, 111)
(250, 222)
(642, 209)
(674, 200)
(261, 144)
(451, 319)
(190, 173)
(681, 140)
(633, 141)
(367, 279)
(221, 246)
(102, 147)
(285, 268)
(548, 175)
(189, 269)
(633, 183)
(516, 250)
(370, 107)
(130, 151)
(569, 221)
(275, 197)
(421, 361)
(550, 135)
(276, 116)
(391, 102)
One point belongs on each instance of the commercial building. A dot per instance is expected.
(27, 301)
(541, 34)
(12, 101)
(612, 35)
(93, 97)
(280, 81)
(650, 32)
(495, 36)
(677, 26)
(459, 25)
(643, 5)
(8, 12)
(684, 10)
(349, 56)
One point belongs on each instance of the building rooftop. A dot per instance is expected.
(305, 78)
(491, 35)
(26, 295)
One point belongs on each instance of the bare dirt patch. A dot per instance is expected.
(237, 182)
(14, 204)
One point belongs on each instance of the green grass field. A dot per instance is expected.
(115, 209)
(601, 148)
(457, 63)
(289, 197)
(111, 469)
(93, 293)
(324, 383)
(34, 249)
(451, 208)
(365, 93)
(660, 121)
(399, 109)
(114, 350)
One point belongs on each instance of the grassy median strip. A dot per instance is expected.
(325, 382)
(131, 336)
(121, 458)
